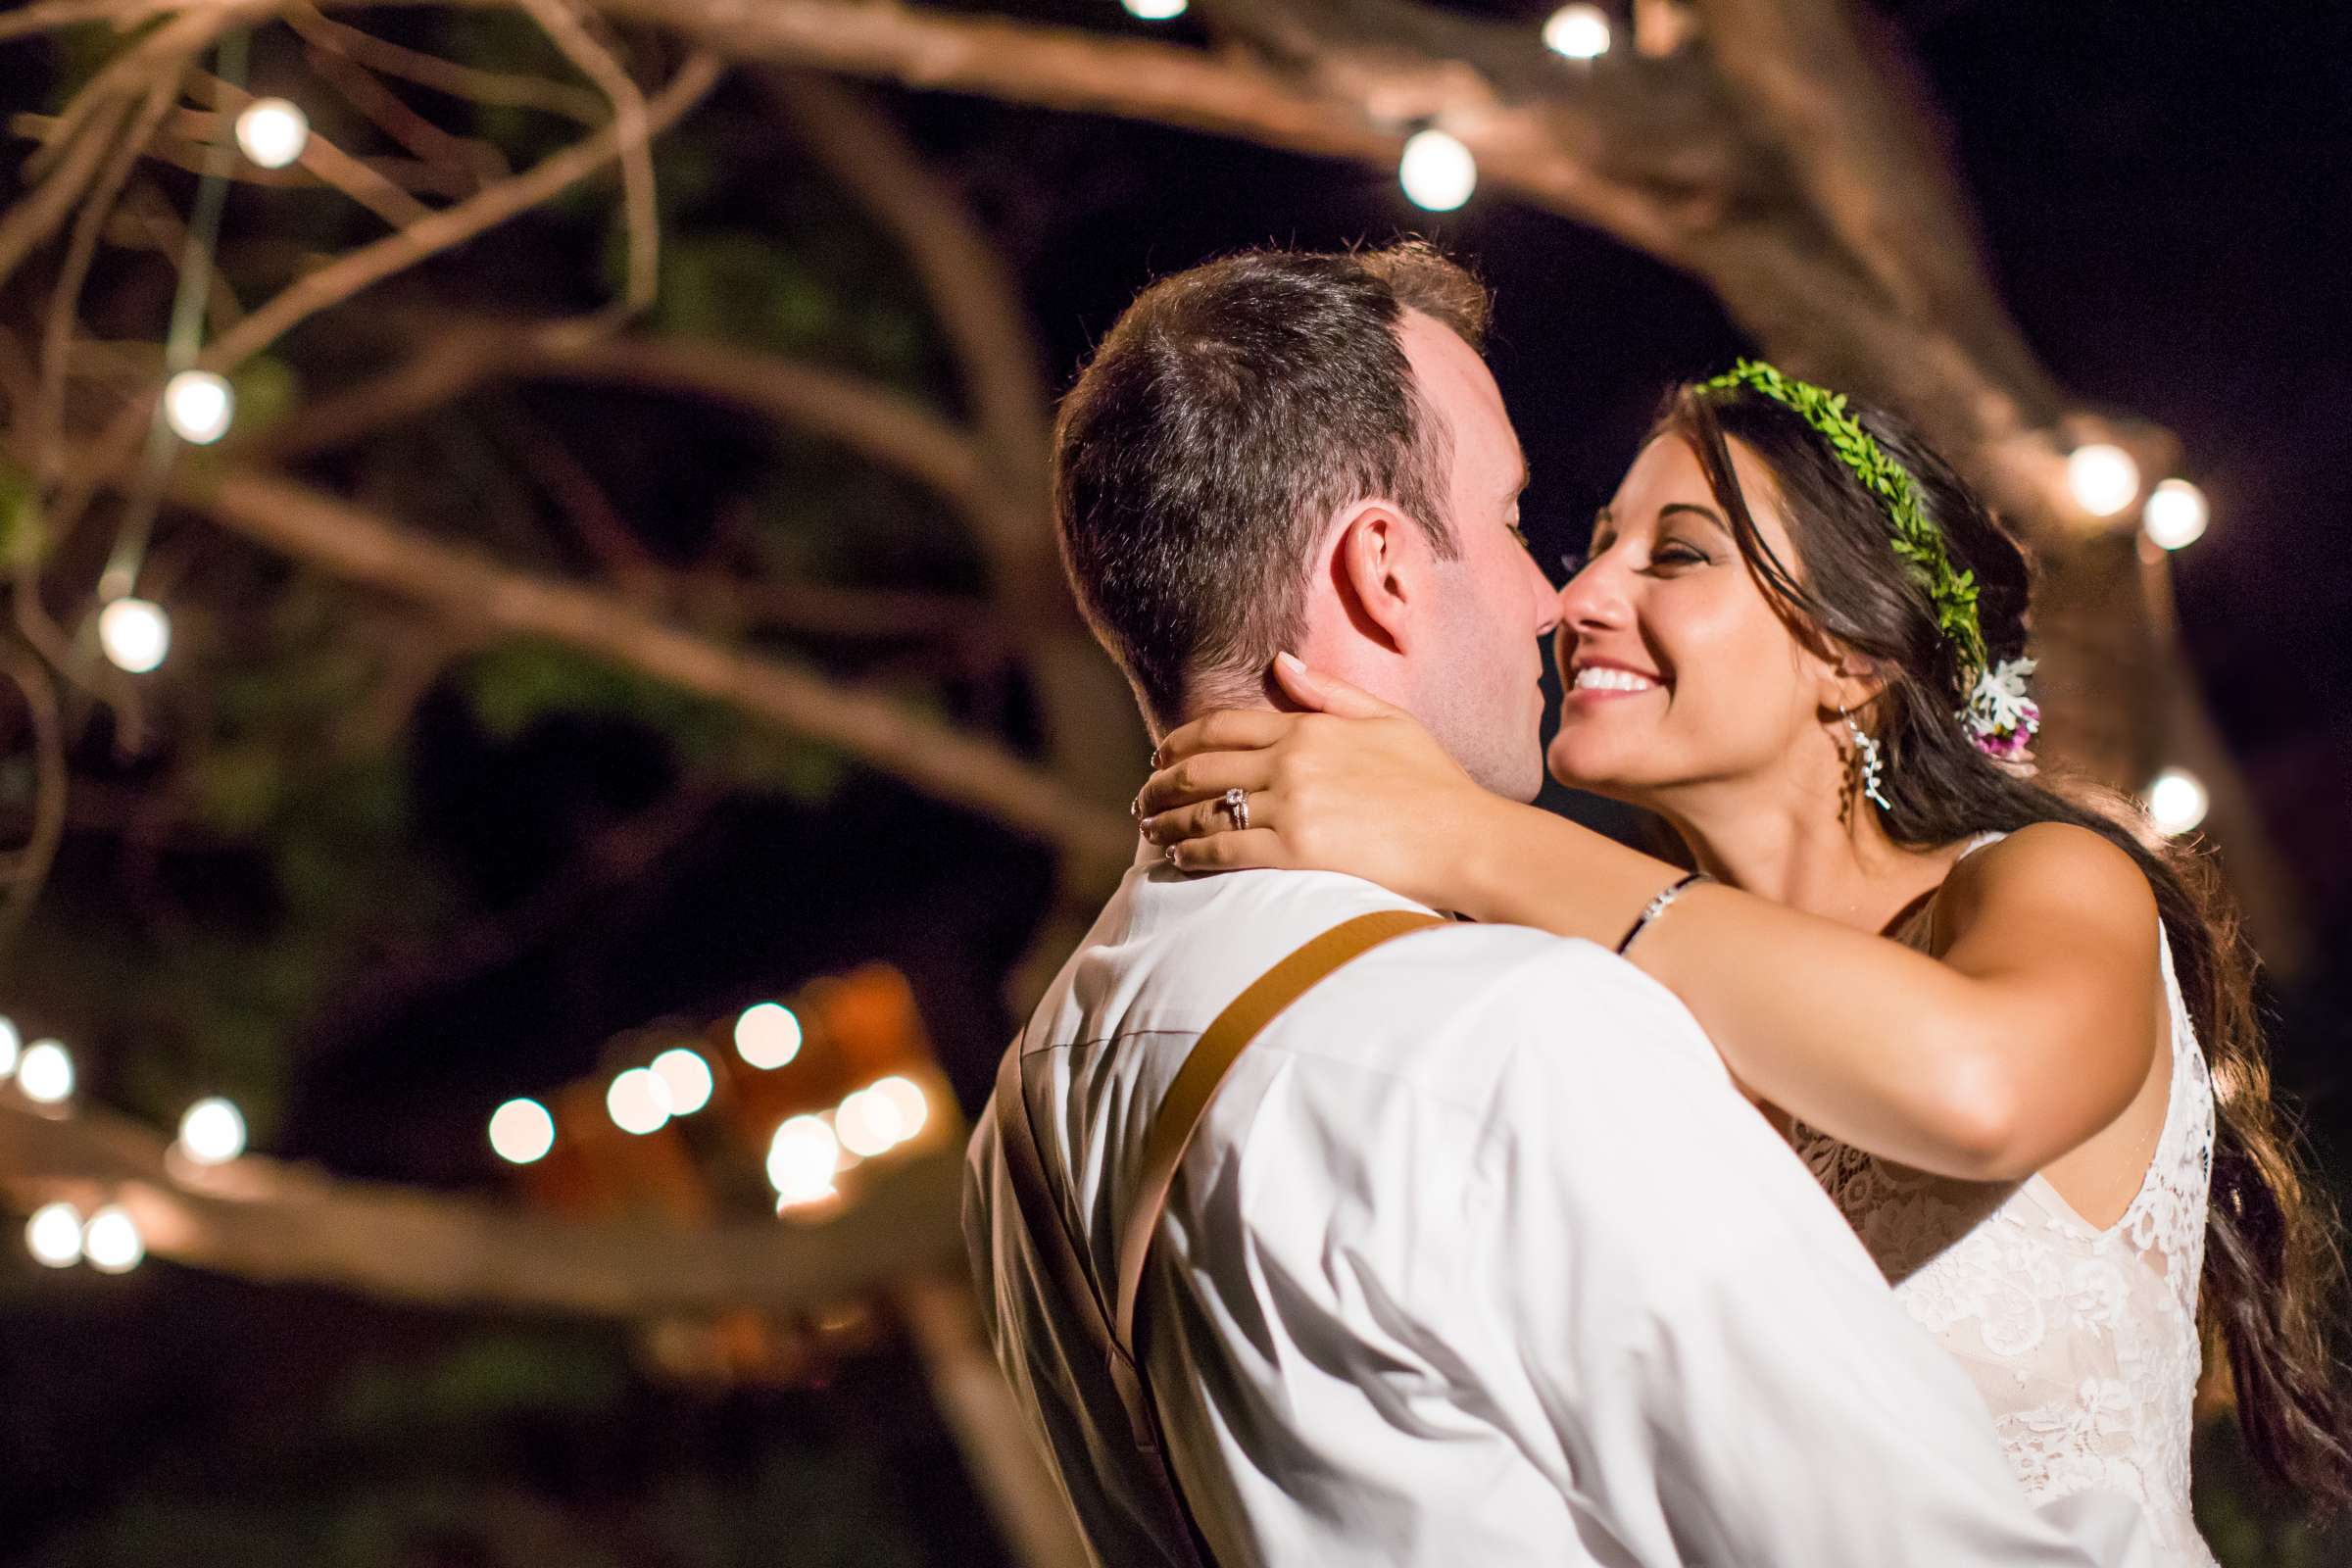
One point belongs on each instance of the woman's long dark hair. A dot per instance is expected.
(2272, 1272)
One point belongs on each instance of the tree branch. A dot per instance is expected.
(275, 1223)
(463, 354)
(951, 764)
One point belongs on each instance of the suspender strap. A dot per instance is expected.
(1112, 1330)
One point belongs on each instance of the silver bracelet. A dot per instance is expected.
(1658, 905)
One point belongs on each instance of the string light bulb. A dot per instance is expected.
(768, 1035)
(54, 1235)
(2175, 514)
(12, 1046)
(1155, 9)
(801, 1158)
(111, 1241)
(2103, 478)
(687, 1076)
(135, 634)
(521, 1130)
(213, 1131)
(1578, 31)
(45, 1074)
(868, 1123)
(2178, 801)
(639, 1100)
(913, 1105)
(198, 406)
(1436, 171)
(273, 132)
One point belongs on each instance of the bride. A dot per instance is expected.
(2012, 1038)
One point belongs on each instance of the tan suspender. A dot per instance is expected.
(1111, 1329)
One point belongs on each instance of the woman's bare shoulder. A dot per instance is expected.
(2051, 870)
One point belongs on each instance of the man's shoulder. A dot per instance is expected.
(1456, 1010)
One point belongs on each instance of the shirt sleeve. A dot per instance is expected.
(1702, 1348)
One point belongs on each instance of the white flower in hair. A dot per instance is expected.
(2001, 719)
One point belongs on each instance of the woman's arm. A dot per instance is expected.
(2029, 1033)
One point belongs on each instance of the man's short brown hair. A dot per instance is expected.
(1231, 412)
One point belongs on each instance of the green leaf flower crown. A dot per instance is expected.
(1999, 717)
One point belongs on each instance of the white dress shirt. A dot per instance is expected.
(1477, 1260)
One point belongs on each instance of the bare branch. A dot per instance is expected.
(503, 88)
(274, 1223)
(463, 354)
(356, 271)
(562, 25)
(951, 765)
(321, 159)
(27, 868)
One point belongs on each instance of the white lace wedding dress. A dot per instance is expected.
(2081, 1338)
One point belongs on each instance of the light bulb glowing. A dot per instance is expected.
(12, 1045)
(135, 633)
(868, 1123)
(1155, 9)
(914, 1107)
(111, 1242)
(198, 406)
(1436, 172)
(213, 1132)
(2176, 514)
(2176, 800)
(768, 1035)
(46, 1073)
(801, 1159)
(639, 1100)
(2104, 479)
(54, 1235)
(1579, 31)
(687, 1077)
(521, 1130)
(273, 132)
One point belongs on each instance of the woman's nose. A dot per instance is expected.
(1593, 597)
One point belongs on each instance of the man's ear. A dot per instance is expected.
(1379, 569)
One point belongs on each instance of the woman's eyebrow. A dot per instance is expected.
(1672, 506)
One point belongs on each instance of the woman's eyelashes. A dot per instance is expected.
(1674, 553)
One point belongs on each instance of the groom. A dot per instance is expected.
(1476, 1256)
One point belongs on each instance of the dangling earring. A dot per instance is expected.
(1866, 752)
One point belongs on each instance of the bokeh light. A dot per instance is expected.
(687, 1076)
(768, 1035)
(135, 634)
(46, 1073)
(521, 1130)
(1578, 31)
(2103, 479)
(1436, 172)
(54, 1235)
(273, 132)
(2176, 800)
(638, 1099)
(198, 406)
(801, 1159)
(2175, 514)
(213, 1131)
(111, 1241)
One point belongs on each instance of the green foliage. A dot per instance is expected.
(1917, 540)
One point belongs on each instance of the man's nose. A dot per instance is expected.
(1547, 602)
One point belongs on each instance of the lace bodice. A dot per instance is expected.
(2083, 1339)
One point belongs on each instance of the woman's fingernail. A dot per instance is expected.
(1292, 662)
